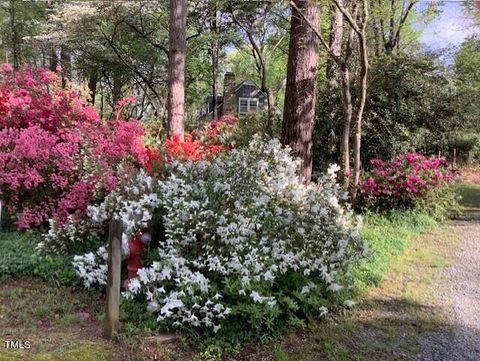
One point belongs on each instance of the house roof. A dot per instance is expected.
(245, 82)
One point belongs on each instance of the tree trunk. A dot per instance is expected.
(66, 62)
(214, 81)
(176, 68)
(53, 58)
(363, 98)
(215, 54)
(333, 76)
(214, 94)
(335, 43)
(347, 120)
(116, 90)
(92, 86)
(15, 39)
(300, 95)
(271, 111)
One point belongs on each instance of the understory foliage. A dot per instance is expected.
(247, 249)
(19, 258)
(56, 155)
(410, 181)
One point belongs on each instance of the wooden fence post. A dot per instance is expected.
(113, 281)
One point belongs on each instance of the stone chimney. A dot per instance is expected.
(229, 96)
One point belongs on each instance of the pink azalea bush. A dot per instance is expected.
(407, 182)
(56, 155)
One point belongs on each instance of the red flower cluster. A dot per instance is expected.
(202, 143)
(56, 154)
(152, 160)
(189, 149)
(403, 181)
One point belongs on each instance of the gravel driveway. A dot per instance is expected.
(460, 292)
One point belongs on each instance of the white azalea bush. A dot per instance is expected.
(246, 249)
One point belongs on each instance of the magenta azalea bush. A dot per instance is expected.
(409, 181)
(56, 155)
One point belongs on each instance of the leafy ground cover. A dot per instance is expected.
(18, 257)
(395, 287)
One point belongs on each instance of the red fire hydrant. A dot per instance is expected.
(136, 247)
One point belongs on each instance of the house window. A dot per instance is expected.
(247, 105)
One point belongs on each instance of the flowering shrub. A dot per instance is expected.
(204, 143)
(56, 154)
(247, 247)
(407, 182)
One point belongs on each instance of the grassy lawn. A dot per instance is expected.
(60, 324)
(385, 324)
(395, 287)
(40, 302)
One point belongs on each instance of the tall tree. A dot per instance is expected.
(359, 25)
(264, 37)
(177, 57)
(357, 21)
(300, 94)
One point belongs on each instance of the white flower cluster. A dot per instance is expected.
(133, 202)
(180, 302)
(74, 231)
(91, 267)
(243, 219)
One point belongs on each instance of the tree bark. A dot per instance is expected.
(346, 128)
(92, 86)
(66, 63)
(300, 95)
(363, 97)
(15, 38)
(176, 68)
(271, 111)
(215, 54)
(334, 75)
(335, 44)
(53, 58)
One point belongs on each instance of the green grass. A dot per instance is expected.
(84, 352)
(387, 236)
(470, 200)
(470, 194)
(16, 253)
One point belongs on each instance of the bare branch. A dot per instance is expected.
(404, 19)
(111, 43)
(349, 17)
(147, 38)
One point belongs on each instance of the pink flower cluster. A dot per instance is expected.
(403, 181)
(56, 154)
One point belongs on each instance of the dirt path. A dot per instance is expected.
(459, 291)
